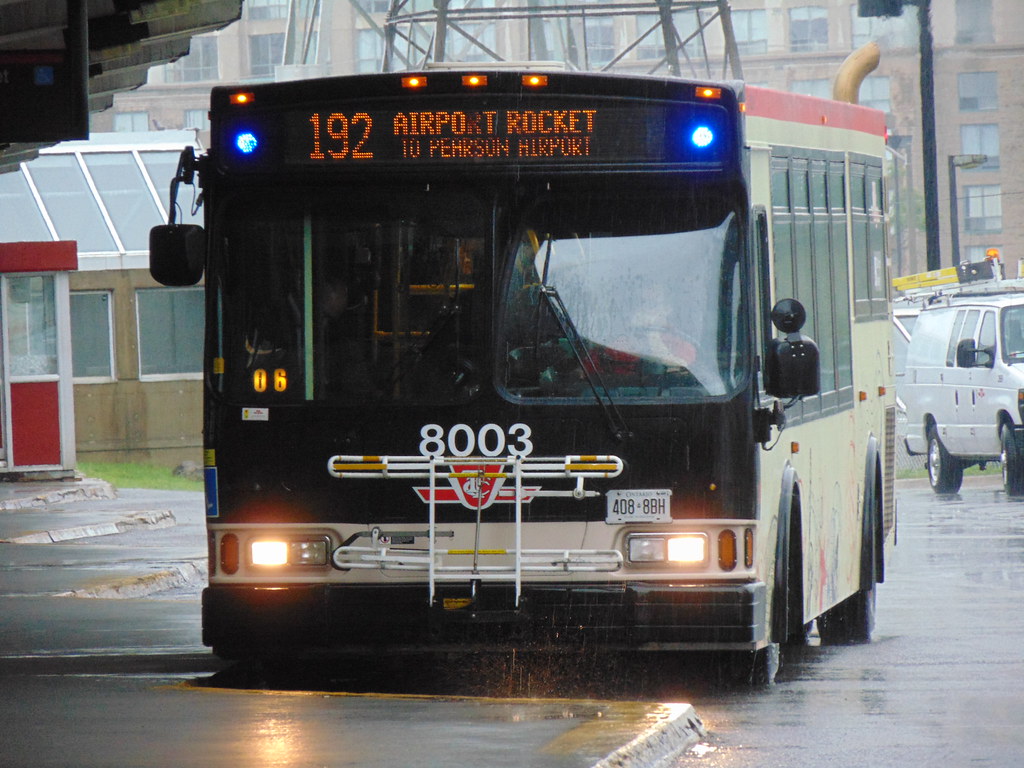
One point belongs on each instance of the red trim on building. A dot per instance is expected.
(59, 256)
(797, 108)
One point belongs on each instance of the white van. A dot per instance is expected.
(964, 385)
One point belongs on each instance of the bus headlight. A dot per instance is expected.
(271, 552)
(681, 549)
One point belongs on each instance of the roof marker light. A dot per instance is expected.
(535, 81)
(242, 97)
(414, 81)
(702, 136)
(246, 142)
(474, 81)
(709, 93)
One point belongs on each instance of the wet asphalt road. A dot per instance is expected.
(126, 682)
(942, 684)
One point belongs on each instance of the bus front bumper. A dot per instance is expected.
(250, 620)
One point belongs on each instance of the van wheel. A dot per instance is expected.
(1012, 459)
(945, 472)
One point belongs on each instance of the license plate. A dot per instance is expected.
(640, 505)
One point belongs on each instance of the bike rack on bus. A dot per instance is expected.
(434, 560)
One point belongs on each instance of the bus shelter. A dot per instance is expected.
(37, 420)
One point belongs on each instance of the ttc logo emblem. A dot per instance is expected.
(470, 486)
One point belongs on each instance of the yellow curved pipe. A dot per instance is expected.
(852, 72)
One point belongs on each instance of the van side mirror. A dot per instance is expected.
(966, 353)
(793, 368)
(970, 355)
(177, 253)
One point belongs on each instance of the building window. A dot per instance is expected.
(170, 332)
(981, 139)
(131, 121)
(32, 324)
(600, 33)
(977, 91)
(984, 209)
(369, 50)
(198, 119)
(374, 6)
(265, 52)
(889, 32)
(808, 28)
(653, 45)
(974, 253)
(874, 93)
(259, 10)
(821, 88)
(751, 31)
(92, 352)
(199, 65)
(974, 22)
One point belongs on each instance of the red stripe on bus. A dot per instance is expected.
(797, 108)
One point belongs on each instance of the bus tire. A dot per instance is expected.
(754, 668)
(787, 627)
(945, 471)
(1012, 458)
(852, 621)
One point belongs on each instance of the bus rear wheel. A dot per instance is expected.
(852, 621)
(945, 471)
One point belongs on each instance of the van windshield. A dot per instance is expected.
(1013, 334)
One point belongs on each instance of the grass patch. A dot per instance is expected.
(910, 474)
(150, 476)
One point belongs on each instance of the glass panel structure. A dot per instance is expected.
(20, 219)
(125, 195)
(70, 203)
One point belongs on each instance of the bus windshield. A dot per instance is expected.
(637, 301)
(353, 298)
(389, 296)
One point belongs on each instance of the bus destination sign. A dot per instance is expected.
(563, 132)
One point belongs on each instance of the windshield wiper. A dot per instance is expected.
(616, 423)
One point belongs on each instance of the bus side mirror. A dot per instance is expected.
(177, 253)
(792, 368)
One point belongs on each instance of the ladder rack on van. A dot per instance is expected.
(979, 278)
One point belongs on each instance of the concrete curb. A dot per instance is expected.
(89, 489)
(181, 575)
(162, 518)
(660, 744)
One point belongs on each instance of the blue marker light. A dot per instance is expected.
(702, 137)
(246, 142)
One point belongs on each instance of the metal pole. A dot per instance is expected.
(441, 29)
(929, 150)
(954, 215)
(78, 70)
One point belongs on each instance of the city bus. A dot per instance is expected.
(520, 358)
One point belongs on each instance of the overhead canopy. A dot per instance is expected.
(125, 39)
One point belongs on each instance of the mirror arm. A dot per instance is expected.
(187, 165)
